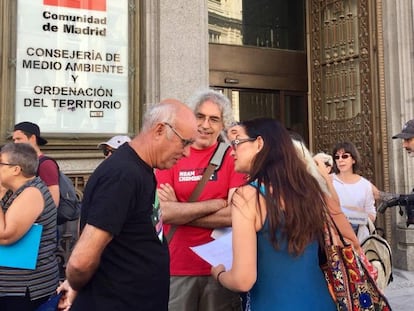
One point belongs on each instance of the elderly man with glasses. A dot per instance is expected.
(121, 259)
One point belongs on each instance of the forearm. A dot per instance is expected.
(346, 229)
(226, 280)
(235, 282)
(78, 277)
(219, 219)
(86, 256)
(180, 213)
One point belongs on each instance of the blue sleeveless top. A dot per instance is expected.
(285, 282)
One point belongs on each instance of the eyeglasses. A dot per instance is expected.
(236, 142)
(8, 164)
(107, 151)
(210, 119)
(184, 141)
(342, 156)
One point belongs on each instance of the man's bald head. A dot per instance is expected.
(168, 110)
(166, 131)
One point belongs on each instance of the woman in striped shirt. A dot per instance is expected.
(26, 202)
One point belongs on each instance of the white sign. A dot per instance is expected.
(72, 65)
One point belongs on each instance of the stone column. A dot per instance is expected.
(151, 52)
(399, 64)
(183, 47)
(8, 31)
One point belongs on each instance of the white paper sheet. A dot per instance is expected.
(217, 233)
(217, 252)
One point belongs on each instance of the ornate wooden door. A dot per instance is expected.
(342, 88)
(346, 71)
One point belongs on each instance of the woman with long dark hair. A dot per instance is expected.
(278, 220)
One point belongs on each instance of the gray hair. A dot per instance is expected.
(326, 158)
(24, 156)
(219, 99)
(162, 112)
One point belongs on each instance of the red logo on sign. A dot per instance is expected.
(97, 5)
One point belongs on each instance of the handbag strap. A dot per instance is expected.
(214, 163)
(332, 225)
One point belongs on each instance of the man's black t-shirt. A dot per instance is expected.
(134, 270)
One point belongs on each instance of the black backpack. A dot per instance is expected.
(69, 204)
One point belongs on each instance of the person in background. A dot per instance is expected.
(28, 132)
(26, 202)
(354, 191)
(110, 146)
(278, 221)
(318, 167)
(326, 159)
(407, 135)
(121, 260)
(192, 287)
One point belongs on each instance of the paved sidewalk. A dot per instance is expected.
(400, 292)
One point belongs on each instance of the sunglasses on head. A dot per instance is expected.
(342, 156)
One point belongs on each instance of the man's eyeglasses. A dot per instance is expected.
(8, 164)
(342, 156)
(210, 119)
(236, 142)
(184, 141)
(107, 151)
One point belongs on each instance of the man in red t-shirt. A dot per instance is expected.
(28, 132)
(192, 287)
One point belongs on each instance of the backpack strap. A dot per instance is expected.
(42, 159)
(215, 163)
(371, 227)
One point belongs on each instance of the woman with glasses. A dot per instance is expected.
(354, 191)
(318, 168)
(26, 202)
(278, 220)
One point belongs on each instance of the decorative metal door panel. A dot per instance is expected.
(341, 88)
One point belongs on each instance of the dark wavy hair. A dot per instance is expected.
(294, 200)
(350, 148)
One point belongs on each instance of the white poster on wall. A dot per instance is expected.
(72, 65)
